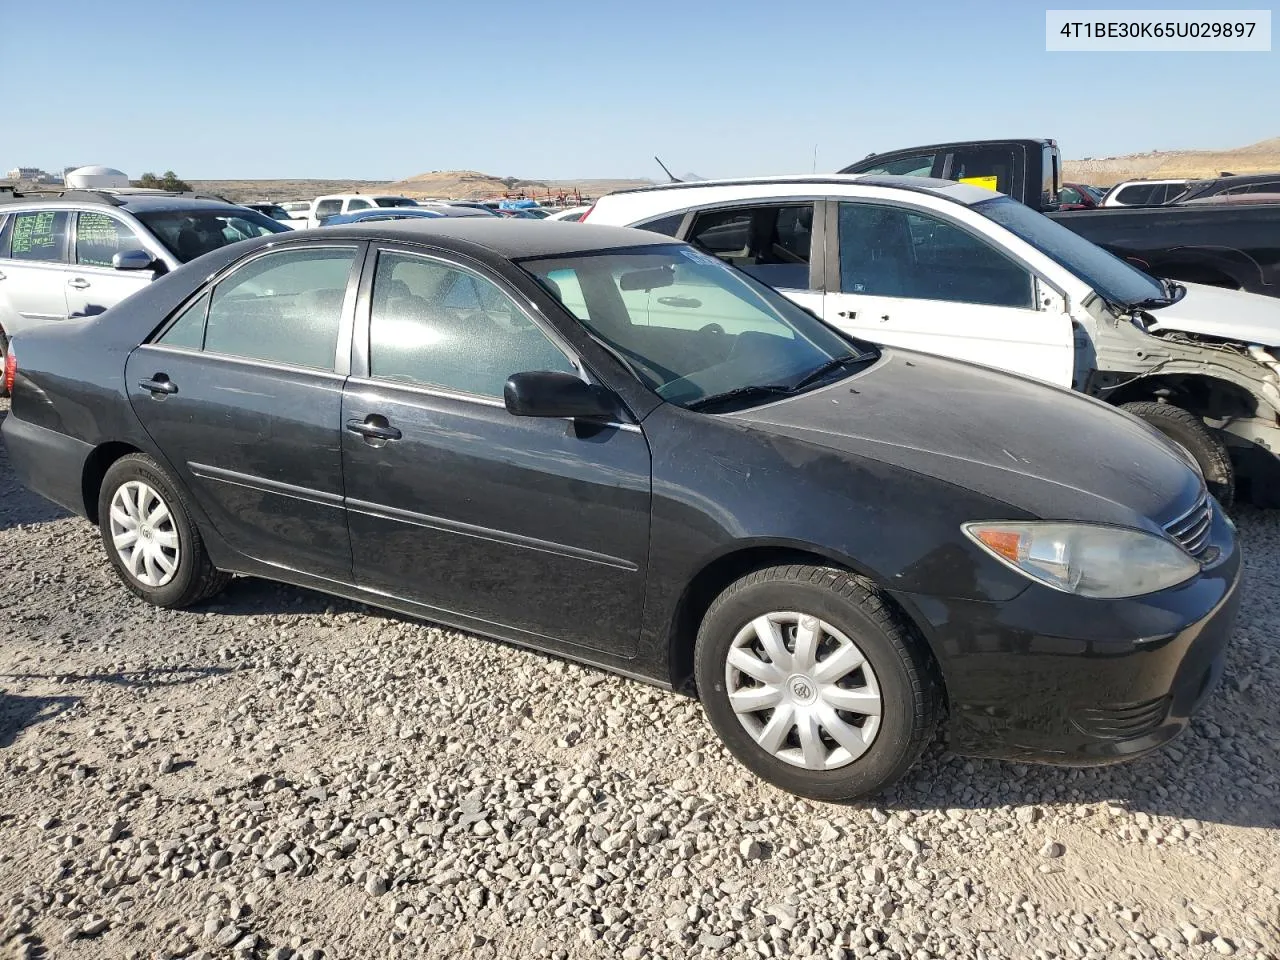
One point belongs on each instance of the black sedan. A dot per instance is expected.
(606, 444)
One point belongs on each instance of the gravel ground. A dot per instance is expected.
(284, 775)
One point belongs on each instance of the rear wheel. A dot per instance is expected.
(1202, 444)
(814, 682)
(150, 538)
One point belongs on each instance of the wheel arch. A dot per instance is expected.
(96, 466)
(718, 572)
(1206, 396)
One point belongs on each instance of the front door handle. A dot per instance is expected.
(160, 386)
(848, 314)
(374, 428)
(884, 318)
(79, 283)
(1, 276)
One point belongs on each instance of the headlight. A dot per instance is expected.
(1088, 560)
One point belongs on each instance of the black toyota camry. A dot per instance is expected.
(606, 444)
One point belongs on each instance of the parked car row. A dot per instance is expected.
(468, 414)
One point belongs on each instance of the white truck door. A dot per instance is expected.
(910, 278)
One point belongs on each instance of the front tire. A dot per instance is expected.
(1189, 432)
(150, 539)
(814, 683)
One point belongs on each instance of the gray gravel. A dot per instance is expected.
(281, 775)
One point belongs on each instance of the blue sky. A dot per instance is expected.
(323, 88)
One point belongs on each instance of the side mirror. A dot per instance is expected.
(547, 394)
(133, 260)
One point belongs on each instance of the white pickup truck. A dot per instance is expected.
(322, 208)
(965, 272)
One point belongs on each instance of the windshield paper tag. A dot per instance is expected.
(697, 256)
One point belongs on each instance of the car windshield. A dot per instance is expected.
(1111, 278)
(188, 234)
(693, 329)
(394, 202)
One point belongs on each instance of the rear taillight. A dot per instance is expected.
(10, 370)
(583, 218)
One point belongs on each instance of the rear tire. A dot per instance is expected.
(150, 539)
(1189, 432)
(845, 705)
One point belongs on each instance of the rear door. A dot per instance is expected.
(94, 285)
(242, 393)
(33, 268)
(537, 524)
(913, 278)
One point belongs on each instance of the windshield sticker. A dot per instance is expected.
(697, 256)
(987, 183)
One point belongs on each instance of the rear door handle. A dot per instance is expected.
(374, 428)
(159, 385)
(848, 314)
(1, 276)
(79, 283)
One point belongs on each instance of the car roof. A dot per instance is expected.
(964, 193)
(132, 202)
(511, 238)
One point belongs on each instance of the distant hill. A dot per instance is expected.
(473, 185)
(1261, 157)
(447, 184)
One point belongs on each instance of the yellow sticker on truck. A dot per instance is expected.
(987, 183)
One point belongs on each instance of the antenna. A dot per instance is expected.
(674, 179)
(815, 158)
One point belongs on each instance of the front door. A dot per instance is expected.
(33, 269)
(910, 278)
(540, 525)
(242, 393)
(95, 285)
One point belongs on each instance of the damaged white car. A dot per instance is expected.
(958, 270)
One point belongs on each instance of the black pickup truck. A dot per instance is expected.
(1228, 245)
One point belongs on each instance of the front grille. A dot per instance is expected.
(1192, 528)
(1120, 721)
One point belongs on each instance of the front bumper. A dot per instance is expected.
(1057, 678)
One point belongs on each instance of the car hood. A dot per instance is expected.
(1047, 451)
(1229, 314)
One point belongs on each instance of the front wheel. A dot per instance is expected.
(1202, 444)
(150, 538)
(814, 683)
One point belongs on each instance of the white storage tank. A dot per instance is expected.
(95, 177)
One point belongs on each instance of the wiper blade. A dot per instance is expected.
(835, 363)
(749, 392)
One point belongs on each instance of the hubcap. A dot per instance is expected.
(143, 534)
(803, 691)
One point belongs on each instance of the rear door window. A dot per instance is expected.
(358, 205)
(328, 208)
(989, 167)
(283, 307)
(1138, 194)
(100, 237)
(772, 243)
(40, 236)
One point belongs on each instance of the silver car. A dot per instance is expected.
(78, 253)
